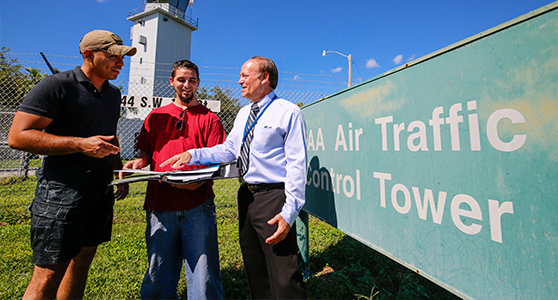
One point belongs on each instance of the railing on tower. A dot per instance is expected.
(173, 10)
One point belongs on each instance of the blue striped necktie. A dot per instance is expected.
(245, 149)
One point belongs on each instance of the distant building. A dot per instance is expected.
(162, 33)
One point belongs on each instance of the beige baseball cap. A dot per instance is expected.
(106, 41)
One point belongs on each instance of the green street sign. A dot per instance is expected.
(449, 165)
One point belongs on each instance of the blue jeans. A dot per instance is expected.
(176, 236)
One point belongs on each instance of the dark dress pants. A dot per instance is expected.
(272, 270)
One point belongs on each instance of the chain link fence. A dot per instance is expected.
(17, 168)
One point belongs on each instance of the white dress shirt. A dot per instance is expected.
(277, 152)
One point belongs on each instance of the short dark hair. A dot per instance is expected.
(267, 65)
(185, 64)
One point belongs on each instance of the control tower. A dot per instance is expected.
(162, 33)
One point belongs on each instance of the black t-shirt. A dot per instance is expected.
(78, 110)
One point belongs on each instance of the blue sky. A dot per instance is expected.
(380, 35)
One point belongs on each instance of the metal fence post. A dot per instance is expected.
(303, 242)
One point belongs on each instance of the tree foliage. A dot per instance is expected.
(229, 105)
(15, 81)
(35, 76)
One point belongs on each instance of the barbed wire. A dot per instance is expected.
(206, 76)
(163, 64)
(54, 55)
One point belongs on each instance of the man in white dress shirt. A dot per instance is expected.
(273, 169)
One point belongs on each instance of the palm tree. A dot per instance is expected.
(35, 76)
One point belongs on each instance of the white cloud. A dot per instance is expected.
(336, 70)
(101, 1)
(411, 58)
(371, 63)
(296, 77)
(397, 60)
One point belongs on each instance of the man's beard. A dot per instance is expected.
(187, 99)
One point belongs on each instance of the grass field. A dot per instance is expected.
(340, 267)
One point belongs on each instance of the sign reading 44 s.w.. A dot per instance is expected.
(154, 102)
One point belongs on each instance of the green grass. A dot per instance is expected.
(17, 164)
(15, 195)
(340, 267)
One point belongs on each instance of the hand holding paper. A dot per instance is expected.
(187, 179)
(178, 161)
(135, 164)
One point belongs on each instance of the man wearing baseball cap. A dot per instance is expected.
(102, 40)
(71, 119)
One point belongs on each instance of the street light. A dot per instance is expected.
(350, 57)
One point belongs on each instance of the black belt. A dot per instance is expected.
(264, 186)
